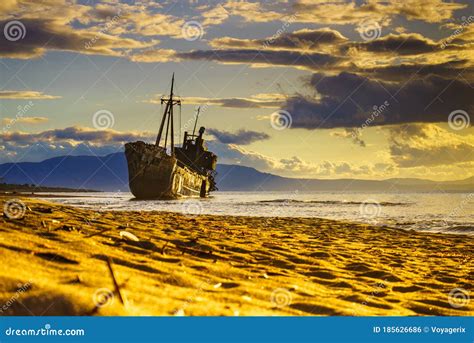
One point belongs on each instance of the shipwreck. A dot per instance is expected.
(159, 171)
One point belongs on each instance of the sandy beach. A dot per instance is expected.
(60, 260)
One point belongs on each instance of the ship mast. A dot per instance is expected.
(197, 117)
(168, 118)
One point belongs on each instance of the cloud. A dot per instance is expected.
(391, 57)
(74, 134)
(394, 56)
(241, 137)
(262, 100)
(154, 55)
(304, 39)
(295, 166)
(402, 72)
(349, 12)
(132, 30)
(255, 11)
(342, 12)
(401, 44)
(24, 120)
(462, 33)
(257, 58)
(214, 15)
(113, 28)
(46, 34)
(406, 55)
(11, 94)
(62, 10)
(21, 146)
(349, 101)
(7, 5)
(418, 145)
(353, 134)
(139, 18)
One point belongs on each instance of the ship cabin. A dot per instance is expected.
(194, 154)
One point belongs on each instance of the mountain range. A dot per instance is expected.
(109, 173)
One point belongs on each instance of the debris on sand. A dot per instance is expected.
(129, 236)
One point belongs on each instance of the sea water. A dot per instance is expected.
(434, 212)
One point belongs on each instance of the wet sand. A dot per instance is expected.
(56, 260)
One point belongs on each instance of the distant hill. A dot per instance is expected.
(232, 177)
(109, 173)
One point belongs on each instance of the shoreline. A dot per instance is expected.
(47, 194)
(458, 230)
(225, 265)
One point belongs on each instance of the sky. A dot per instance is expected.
(314, 89)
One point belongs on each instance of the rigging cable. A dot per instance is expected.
(161, 110)
(168, 114)
(180, 121)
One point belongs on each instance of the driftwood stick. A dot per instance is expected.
(116, 285)
(98, 233)
(163, 248)
(199, 253)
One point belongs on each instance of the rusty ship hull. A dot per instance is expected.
(153, 174)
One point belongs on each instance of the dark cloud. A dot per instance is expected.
(350, 100)
(353, 134)
(42, 34)
(297, 40)
(404, 72)
(402, 44)
(314, 61)
(104, 12)
(241, 137)
(74, 133)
